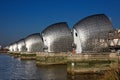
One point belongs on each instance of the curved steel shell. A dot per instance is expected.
(15, 47)
(57, 38)
(21, 45)
(11, 48)
(34, 43)
(91, 32)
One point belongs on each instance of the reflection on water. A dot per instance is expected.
(14, 68)
(53, 73)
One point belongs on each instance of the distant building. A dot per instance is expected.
(57, 38)
(21, 45)
(34, 43)
(90, 34)
(114, 39)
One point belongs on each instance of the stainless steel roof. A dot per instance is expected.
(59, 37)
(91, 28)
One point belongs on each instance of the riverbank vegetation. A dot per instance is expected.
(113, 74)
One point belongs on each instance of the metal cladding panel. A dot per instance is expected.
(11, 48)
(91, 29)
(15, 47)
(21, 45)
(34, 43)
(58, 38)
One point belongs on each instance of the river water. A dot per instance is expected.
(16, 69)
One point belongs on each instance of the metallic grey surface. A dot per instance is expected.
(91, 30)
(21, 45)
(10, 47)
(15, 47)
(34, 43)
(58, 38)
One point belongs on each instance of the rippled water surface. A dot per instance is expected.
(14, 68)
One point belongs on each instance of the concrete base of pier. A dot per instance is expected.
(76, 63)
(50, 58)
(23, 55)
(27, 56)
(14, 54)
(91, 63)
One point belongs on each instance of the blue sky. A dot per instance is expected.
(20, 18)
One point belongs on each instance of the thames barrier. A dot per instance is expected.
(92, 46)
